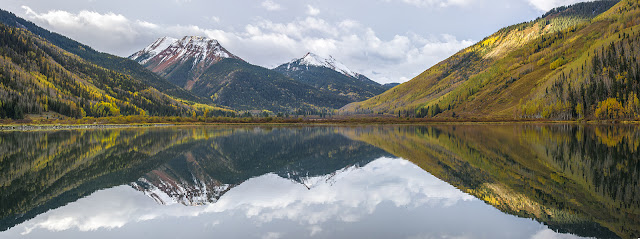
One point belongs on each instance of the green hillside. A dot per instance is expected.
(108, 61)
(242, 86)
(38, 77)
(574, 62)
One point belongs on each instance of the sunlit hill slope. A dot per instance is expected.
(574, 62)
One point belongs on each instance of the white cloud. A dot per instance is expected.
(346, 196)
(312, 10)
(111, 22)
(105, 31)
(271, 5)
(550, 234)
(436, 3)
(546, 5)
(214, 19)
(385, 60)
(268, 43)
(145, 24)
(272, 235)
(348, 24)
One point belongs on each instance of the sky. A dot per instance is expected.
(386, 40)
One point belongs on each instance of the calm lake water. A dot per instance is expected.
(442, 181)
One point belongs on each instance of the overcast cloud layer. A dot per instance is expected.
(387, 40)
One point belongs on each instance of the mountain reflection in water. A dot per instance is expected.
(323, 182)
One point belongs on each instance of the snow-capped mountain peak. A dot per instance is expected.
(167, 49)
(152, 50)
(311, 59)
(199, 47)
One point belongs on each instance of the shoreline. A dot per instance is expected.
(35, 127)
(71, 126)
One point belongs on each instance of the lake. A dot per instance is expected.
(436, 181)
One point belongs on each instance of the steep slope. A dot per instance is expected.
(37, 77)
(551, 68)
(207, 69)
(108, 61)
(182, 61)
(331, 75)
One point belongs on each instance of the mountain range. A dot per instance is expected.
(47, 73)
(53, 75)
(207, 69)
(574, 62)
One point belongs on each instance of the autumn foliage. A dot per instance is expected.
(610, 109)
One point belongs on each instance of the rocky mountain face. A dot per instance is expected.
(182, 61)
(331, 75)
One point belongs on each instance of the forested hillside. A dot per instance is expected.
(108, 61)
(242, 86)
(37, 77)
(575, 62)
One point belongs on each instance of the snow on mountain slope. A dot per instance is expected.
(311, 59)
(153, 50)
(331, 75)
(182, 61)
(166, 52)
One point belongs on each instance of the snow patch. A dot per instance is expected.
(154, 49)
(311, 59)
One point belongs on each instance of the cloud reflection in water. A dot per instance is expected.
(382, 192)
